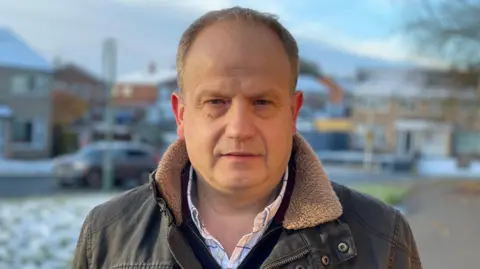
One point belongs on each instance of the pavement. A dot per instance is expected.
(23, 186)
(446, 225)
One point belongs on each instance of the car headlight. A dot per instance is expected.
(79, 166)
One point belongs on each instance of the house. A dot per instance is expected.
(145, 95)
(408, 112)
(80, 83)
(141, 105)
(317, 94)
(325, 125)
(5, 129)
(25, 85)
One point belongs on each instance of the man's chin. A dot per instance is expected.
(240, 181)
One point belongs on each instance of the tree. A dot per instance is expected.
(309, 68)
(67, 107)
(444, 29)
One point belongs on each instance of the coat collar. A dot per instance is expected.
(313, 199)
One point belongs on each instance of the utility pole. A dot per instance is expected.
(369, 139)
(109, 64)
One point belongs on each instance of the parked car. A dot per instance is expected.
(132, 164)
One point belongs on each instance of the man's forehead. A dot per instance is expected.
(237, 49)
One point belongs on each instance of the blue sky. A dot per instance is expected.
(357, 19)
(148, 30)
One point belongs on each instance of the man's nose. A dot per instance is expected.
(240, 121)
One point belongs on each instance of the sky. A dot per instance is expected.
(149, 30)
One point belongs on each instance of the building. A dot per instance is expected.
(324, 124)
(410, 112)
(25, 85)
(144, 95)
(83, 85)
(317, 95)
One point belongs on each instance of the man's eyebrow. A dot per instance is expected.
(211, 91)
(270, 92)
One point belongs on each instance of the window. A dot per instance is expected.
(22, 84)
(22, 131)
(466, 143)
(362, 134)
(42, 83)
(136, 153)
(407, 104)
(19, 84)
(373, 103)
(467, 110)
(434, 107)
(92, 154)
(30, 132)
(127, 91)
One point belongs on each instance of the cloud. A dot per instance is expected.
(149, 30)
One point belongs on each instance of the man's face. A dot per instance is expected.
(238, 113)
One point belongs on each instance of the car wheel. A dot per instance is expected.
(94, 180)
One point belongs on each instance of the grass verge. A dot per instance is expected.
(389, 194)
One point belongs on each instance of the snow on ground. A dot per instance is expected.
(10, 168)
(42, 233)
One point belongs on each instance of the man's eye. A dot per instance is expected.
(262, 102)
(216, 102)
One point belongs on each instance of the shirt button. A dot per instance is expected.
(343, 247)
(325, 260)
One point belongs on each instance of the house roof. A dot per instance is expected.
(73, 72)
(16, 53)
(148, 78)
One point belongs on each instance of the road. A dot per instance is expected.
(446, 225)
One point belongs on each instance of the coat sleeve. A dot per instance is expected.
(404, 253)
(82, 255)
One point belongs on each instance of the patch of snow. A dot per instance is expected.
(15, 52)
(42, 233)
(12, 168)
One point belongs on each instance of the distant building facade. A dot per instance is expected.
(25, 85)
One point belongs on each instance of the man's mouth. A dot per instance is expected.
(241, 155)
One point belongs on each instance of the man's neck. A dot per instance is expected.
(250, 203)
(229, 217)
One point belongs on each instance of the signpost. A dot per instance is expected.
(109, 65)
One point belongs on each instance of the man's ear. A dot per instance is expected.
(297, 102)
(178, 109)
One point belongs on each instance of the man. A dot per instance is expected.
(240, 189)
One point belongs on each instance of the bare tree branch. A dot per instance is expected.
(445, 29)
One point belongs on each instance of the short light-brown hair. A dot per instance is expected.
(245, 15)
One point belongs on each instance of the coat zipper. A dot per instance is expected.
(288, 260)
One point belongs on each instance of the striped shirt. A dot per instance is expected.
(246, 243)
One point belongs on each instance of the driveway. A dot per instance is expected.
(446, 225)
